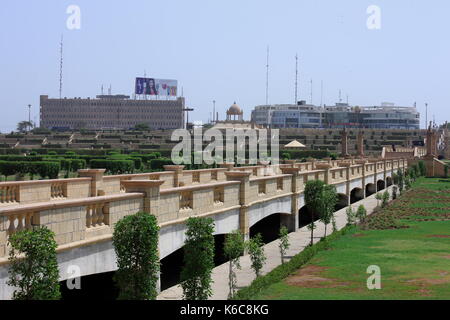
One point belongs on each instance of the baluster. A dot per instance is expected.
(12, 226)
(28, 218)
(8, 194)
(2, 194)
(88, 217)
(20, 225)
(100, 214)
(94, 215)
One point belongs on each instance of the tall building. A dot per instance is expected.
(110, 112)
(302, 115)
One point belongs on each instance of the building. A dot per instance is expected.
(302, 115)
(234, 120)
(110, 112)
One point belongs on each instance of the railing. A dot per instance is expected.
(9, 194)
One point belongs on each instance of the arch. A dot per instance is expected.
(356, 195)
(268, 227)
(380, 185)
(342, 202)
(99, 286)
(389, 182)
(304, 217)
(371, 189)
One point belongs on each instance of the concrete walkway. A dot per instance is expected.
(298, 240)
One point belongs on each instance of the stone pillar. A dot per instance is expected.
(291, 221)
(344, 144)
(228, 165)
(360, 144)
(177, 173)
(363, 173)
(244, 199)
(151, 191)
(96, 176)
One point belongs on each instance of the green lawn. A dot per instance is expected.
(414, 261)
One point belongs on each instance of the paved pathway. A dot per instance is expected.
(298, 240)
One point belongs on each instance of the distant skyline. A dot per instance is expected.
(217, 51)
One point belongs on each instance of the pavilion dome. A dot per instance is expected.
(234, 109)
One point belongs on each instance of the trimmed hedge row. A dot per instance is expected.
(286, 269)
(45, 169)
(113, 166)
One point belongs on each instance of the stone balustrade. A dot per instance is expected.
(82, 210)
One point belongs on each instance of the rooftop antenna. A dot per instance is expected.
(426, 114)
(60, 66)
(109, 90)
(340, 100)
(102, 89)
(296, 77)
(267, 77)
(311, 91)
(347, 99)
(321, 92)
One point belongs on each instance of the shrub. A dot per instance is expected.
(198, 259)
(135, 241)
(36, 274)
(313, 195)
(351, 215)
(361, 213)
(422, 168)
(158, 164)
(284, 242)
(113, 166)
(385, 199)
(234, 247)
(256, 251)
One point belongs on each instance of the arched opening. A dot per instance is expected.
(389, 181)
(380, 185)
(357, 194)
(219, 254)
(304, 217)
(370, 189)
(269, 228)
(170, 269)
(100, 286)
(342, 202)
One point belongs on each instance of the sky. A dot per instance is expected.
(217, 51)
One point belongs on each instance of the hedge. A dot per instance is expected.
(286, 269)
(298, 154)
(113, 166)
(43, 168)
(158, 164)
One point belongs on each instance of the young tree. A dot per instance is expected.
(284, 242)
(394, 192)
(135, 241)
(233, 248)
(400, 180)
(422, 168)
(327, 204)
(198, 259)
(385, 199)
(379, 197)
(313, 195)
(256, 251)
(361, 213)
(351, 215)
(35, 275)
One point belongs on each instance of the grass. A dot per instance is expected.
(414, 261)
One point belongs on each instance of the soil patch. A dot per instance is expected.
(309, 277)
(357, 235)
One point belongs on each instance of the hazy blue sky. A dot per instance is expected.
(217, 50)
